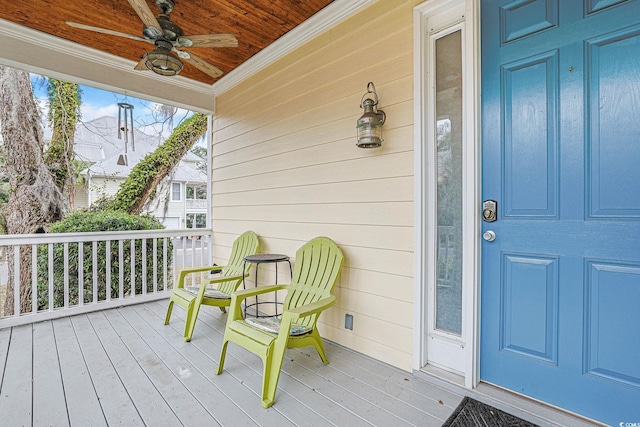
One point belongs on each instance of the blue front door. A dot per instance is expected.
(561, 156)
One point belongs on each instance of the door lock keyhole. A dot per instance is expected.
(488, 215)
(489, 210)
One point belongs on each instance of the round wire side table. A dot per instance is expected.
(265, 259)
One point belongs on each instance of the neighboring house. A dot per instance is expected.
(543, 100)
(181, 200)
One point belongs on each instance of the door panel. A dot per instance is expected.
(561, 149)
(530, 141)
(529, 317)
(612, 107)
(612, 288)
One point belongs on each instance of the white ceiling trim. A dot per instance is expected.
(102, 70)
(34, 51)
(326, 18)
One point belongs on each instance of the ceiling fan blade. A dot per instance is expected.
(183, 54)
(140, 66)
(148, 18)
(204, 66)
(106, 31)
(209, 40)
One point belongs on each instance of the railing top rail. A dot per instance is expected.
(29, 239)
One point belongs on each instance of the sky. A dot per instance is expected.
(97, 103)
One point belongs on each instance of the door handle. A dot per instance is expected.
(489, 235)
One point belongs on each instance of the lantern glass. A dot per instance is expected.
(369, 135)
(162, 62)
(369, 125)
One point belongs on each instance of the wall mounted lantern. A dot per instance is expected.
(369, 126)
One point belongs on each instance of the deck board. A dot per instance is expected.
(153, 409)
(15, 401)
(125, 367)
(48, 392)
(434, 400)
(82, 402)
(116, 404)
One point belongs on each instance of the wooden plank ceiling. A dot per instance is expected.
(255, 23)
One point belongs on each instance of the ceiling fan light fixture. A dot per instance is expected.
(162, 61)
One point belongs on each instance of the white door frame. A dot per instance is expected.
(424, 185)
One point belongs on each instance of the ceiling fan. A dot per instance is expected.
(168, 37)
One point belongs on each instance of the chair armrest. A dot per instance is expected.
(289, 316)
(226, 278)
(246, 293)
(235, 307)
(183, 273)
(309, 309)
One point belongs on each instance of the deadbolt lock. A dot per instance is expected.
(489, 210)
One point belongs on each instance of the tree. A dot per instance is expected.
(146, 175)
(40, 179)
(64, 115)
(35, 201)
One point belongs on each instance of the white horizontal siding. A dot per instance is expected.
(100, 187)
(285, 165)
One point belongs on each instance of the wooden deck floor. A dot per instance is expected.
(124, 367)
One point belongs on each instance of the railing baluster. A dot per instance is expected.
(193, 260)
(121, 268)
(155, 265)
(165, 263)
(16, 280)
(50, 265)
(65, 252)
(202, 242)
(143, 255)
(94, 248)
(183, 245)
(133, 267)
(80, 274)
(107, 285)
(34, 278)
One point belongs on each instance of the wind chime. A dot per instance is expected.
(125, 125)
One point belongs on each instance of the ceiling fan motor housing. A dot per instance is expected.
(171, 31)
(166, 6)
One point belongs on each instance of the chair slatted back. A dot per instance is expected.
(246, 244)
(317, 266)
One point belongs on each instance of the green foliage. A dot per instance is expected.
(79, 222)
(64, 114)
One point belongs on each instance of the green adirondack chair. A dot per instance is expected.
(231, 275)
(317, 266)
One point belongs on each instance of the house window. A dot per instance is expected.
(196, 192)
(196, 220)
(176, 195)
(196, 197)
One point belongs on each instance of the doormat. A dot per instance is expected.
(471, 413)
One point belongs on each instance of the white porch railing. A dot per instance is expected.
(196, 204)
(71, 273)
